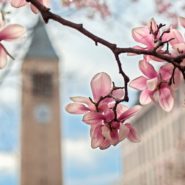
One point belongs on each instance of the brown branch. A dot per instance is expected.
(48, 15)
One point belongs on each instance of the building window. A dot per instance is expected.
(42, 84)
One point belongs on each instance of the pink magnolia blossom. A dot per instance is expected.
(21, 3)
(150, 37)
(8, 33)
(178, 41)
(144, 36)
(155, 85)
(99, 113)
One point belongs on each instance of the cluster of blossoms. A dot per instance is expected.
(159, 86)
(104, 113)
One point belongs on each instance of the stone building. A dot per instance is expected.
(40, 128)
(161, 133)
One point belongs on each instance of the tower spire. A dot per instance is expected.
(41, 46)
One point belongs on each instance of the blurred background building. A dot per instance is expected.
(40, 129)
(159, 159)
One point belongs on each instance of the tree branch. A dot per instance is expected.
(48, 15)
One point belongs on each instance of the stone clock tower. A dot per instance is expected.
(40, 129)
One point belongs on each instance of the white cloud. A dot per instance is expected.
(78, 151)
(8, 162)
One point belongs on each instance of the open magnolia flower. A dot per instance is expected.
(8, 33)
(20, 3)
(105, 117)
(155, 86)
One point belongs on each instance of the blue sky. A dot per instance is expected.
(79, 58)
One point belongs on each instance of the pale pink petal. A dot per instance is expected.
(83, 100)
(120, 109)
(106, 132)
(129, 113)
(165, 72)
(155, 96)
(93, 118)
(123, 132)
(101, 85)
(179, 48)
(34, 9)
(3, 57)
(166, 99)
(145, 97)
(132, 135)
(142, 35)
(11, 32)
(105, 104)
(147, 69)
(139, 83)
(118, 94)
(110, 135)
(176, 35)
(182, 21)
(96, 137)
(76, 108)
(105, 144)
(152, 25)
(18, 3)
(114, 137)
(152, 84)
(178, 78)
(109, 115)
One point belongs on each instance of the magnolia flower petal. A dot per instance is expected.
(34, 9)
(101, 85)
(105, 144)
(106, 132)
(93, 118)
(114, 137)
(96, 137)
(123, 132)
(176, 35)
(142, 35)
(109, 115)
(145, 97)
(118, 93)
(3, 57)
(165, 72)
(139, 83)
(166, 99)
(83, 100)
(152, 84)
(11, 32)
(182, 21)
(129, 113)
(120, 109)
(76, 108)
(18, 3)
(152, 25)
(147, 69)
(132, 135)
(179, 48)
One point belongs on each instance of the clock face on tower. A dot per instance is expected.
(42, 113)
